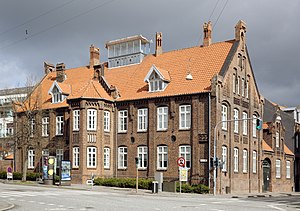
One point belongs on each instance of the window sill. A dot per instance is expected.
(59, 134)
(45, 136)
(142, 169)
(162, 169)
(142, 131)
(162, 130)
(236, 172)
(106, 168)
(91, 167)
(122, 169)
(184, 129)
(122, 132)
(106, 131)
(75, 168)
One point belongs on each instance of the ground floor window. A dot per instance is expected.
(122, 157)
(91, 157)
(162, 157)
(31, 158)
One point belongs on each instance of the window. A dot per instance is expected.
(162, 118)
(122, 157)
(288, 169)
(76, 123)
(91, 157)
(254, 125)
(59, 156)
(254, 162)
(245, 160)
(277, 139)
(224, 117)
(32, 127)
(184, 117)
(155, 83)
(45, 126)
(243, 87)
(92, 119)
(106, 121)
(106, 159)
(142, 119)
(247, 89)
(122, 123)
(278, 173)
(245, 123)
(75, 157)
(162, 157)
(224, 158)
(236, 123)
(236, 160)
(31, 158)
(185, 152)
(143, 157)
(234, 83)
(238, 85)
(56, 95)
(59, 125)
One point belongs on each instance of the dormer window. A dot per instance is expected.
(58, 94)
(157, 79)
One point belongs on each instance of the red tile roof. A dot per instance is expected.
(287, 150)
(266, 146)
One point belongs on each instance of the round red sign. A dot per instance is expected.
(181, 161)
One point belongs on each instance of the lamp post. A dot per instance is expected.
(258, 126)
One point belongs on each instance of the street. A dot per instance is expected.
(25, 197)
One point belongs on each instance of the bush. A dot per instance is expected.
(18, 176)
(186, 188)
(123, 182)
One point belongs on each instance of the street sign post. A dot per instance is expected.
(9, 174)
(181, 164)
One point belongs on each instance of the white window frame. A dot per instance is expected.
(59, 125)
(277, 139)
(224, 114)
(288, 169)
(185, 152)
(106, 157)
(142, 152)
(162, 118)
(184, 117)
(247, 89)
(76, 119)
(238, 85)
(142, 122)
(243, 87)
(45, 126)
(236, 123)
(254, 132)
(106, 121)
(245, 161)
(32, 127)
(59, 154)
(122, 121)
(234, 83)
(91, 119)
(236, 160)
(31, 159)
(278, 168)
(254, 161)
(91, 158)
(162, 157)
(245, 123)
(122, 157)
(76, 154)
(224, 158)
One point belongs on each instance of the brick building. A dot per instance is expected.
(156, 107)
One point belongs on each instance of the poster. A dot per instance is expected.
(65, 170)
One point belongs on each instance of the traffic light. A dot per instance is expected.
(258, 124)
(137, 161)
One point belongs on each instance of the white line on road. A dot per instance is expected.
(277, 208)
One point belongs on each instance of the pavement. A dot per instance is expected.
(5, 205)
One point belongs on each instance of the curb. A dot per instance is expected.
(9, 207)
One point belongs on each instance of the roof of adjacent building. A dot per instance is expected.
(13, 91)
(266, 146)
(201, 62)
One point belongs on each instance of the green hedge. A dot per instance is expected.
(186, 188)
(18, 176)
(124, 182)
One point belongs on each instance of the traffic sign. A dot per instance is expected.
(181, 161)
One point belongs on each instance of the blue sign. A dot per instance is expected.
(65, 170)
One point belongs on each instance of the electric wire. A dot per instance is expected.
(58, 24)
(220, 14)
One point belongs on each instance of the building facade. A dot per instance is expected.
(156, 107)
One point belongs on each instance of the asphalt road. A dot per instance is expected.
(49, 198)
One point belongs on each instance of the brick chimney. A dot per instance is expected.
(207, 29)
(158, 49)
(60, 72)
(94, 56)
(48, 67)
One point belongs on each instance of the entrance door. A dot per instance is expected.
(267, 175)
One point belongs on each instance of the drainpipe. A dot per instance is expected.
(116, 140)
(209, 137)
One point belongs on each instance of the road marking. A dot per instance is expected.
(277, 208)
(42, 203)
(31, 201)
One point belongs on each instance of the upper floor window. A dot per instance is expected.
(245, 123)
(122, 157)
(254, 161)
(247, 89)
(184, 117)
(288, 169)
(59, 156)
(122, 123)
(45, 126)
(162, 157)
(233, 83)
(224, 117)
(278, 168)
(236, 160)
(57, 95)
(224, 158)
(76, 118)
(185, 152)
(142, 119)
(59, 125)
(245, 160)
(254, 133)
(162, 118)
(143, 157)
(277, 139)
(243, 87)
(157, 79)
(238, 85)
(156, 84)
(106, 121)
(236, 123)
(92, 119)
(32, 127)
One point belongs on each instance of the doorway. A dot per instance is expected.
(266, 175)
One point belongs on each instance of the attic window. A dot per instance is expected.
(57, 94)
(155, 83)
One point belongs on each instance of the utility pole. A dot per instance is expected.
(137, 173)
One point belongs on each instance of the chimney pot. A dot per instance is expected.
(158, 49)
(60, 72)
(207, 29)
(48, 67)
(94, 56)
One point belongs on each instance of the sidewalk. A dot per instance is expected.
(4, 205)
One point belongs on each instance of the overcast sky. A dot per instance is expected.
(34, 31)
